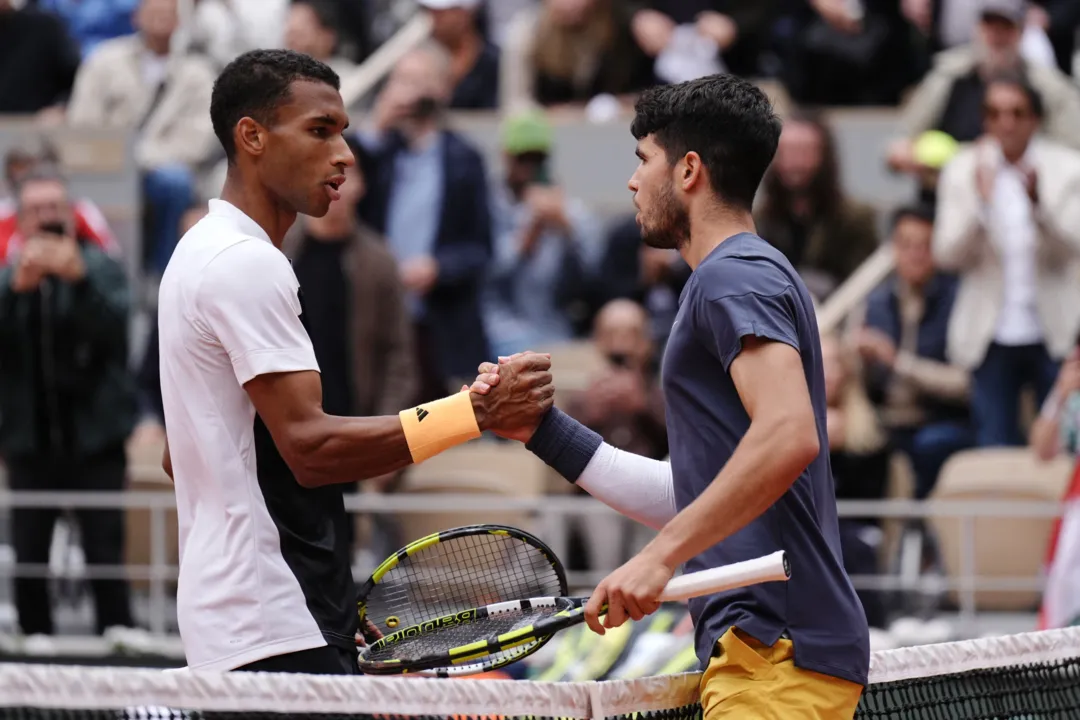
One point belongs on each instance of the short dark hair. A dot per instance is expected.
(256, 84)
(726, 120)
(1019, 81)
(325, 11)
(917, 211)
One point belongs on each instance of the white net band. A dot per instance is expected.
(88, 689)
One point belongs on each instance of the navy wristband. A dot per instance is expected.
(564, 444)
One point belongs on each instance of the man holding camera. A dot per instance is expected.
(429, 197)
(67, 400)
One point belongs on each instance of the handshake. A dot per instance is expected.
(511, 397)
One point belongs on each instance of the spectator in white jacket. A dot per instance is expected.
(1008, 222)
(141, 83)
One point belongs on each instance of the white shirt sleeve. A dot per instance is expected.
(640, 488)
(248, 302)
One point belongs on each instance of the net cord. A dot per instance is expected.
(85, 688)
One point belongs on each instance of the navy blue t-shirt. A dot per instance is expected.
(745, 287)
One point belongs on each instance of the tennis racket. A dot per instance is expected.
(453, 571)
(469, 637)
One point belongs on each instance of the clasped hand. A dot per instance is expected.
(511, 397)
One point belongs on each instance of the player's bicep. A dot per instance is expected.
(770, 379)
(290, 405)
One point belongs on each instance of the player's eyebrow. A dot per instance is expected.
(330, 120)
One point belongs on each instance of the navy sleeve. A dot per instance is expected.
(743, 300)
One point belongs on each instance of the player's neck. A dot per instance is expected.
(259, 206)
(710, 230)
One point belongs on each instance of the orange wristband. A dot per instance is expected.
(437, 426)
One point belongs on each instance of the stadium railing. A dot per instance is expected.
(548, 516)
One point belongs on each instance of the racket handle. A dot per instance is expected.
(769, 568)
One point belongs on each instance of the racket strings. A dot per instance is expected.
(440, 641)
(458, 574)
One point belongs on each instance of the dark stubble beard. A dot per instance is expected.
(671, 228)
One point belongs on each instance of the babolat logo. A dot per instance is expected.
(421, 413)
(431, 625)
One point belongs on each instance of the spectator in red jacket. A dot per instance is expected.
(90, 223)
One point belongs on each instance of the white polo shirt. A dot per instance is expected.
(264, 563)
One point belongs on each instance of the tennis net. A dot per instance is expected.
(1027, 676)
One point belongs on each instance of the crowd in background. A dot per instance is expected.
(433, 262)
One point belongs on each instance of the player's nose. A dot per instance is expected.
(343, 156)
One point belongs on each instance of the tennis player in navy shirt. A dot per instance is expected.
(743, 381)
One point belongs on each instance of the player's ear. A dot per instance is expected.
(690, 171)
(250, 136)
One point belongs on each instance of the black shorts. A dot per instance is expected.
(327, 660)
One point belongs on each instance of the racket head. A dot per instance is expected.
(487, 637)
(456, 570)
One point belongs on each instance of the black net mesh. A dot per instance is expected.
(1025, 677)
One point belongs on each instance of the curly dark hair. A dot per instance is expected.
(726, 120)
(256, 84)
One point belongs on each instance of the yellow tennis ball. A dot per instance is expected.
(934, 149)
(392, 621)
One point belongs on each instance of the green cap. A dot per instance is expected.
(526, 132)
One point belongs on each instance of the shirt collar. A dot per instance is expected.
(225, 209)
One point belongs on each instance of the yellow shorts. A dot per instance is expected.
(749, 680)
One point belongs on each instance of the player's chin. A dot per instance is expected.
(656, 240)
(317, 205)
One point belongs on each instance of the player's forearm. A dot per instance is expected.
(638, 487)
(327, 450)
(759, 472)
(333, 450)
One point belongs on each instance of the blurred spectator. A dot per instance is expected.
(569, 52)
(922, 398)
(311, 27)
(1049, 26)
(694, 38)
(859, 456)
(950, 97)
(804, 212)
(38, 60)
(474, 62)
(624, 404)
(649, 276)
(428, 194)
(354, 29)
(1009, 223)
(66, 395)
(223, 29)
(90, 224)
(842, 52)
(91, 22)
(133, 82)
(546, 246)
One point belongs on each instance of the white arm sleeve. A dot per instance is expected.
(638, 487)
(248, 301)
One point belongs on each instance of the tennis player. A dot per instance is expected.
(749, 472)
(265, 578)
